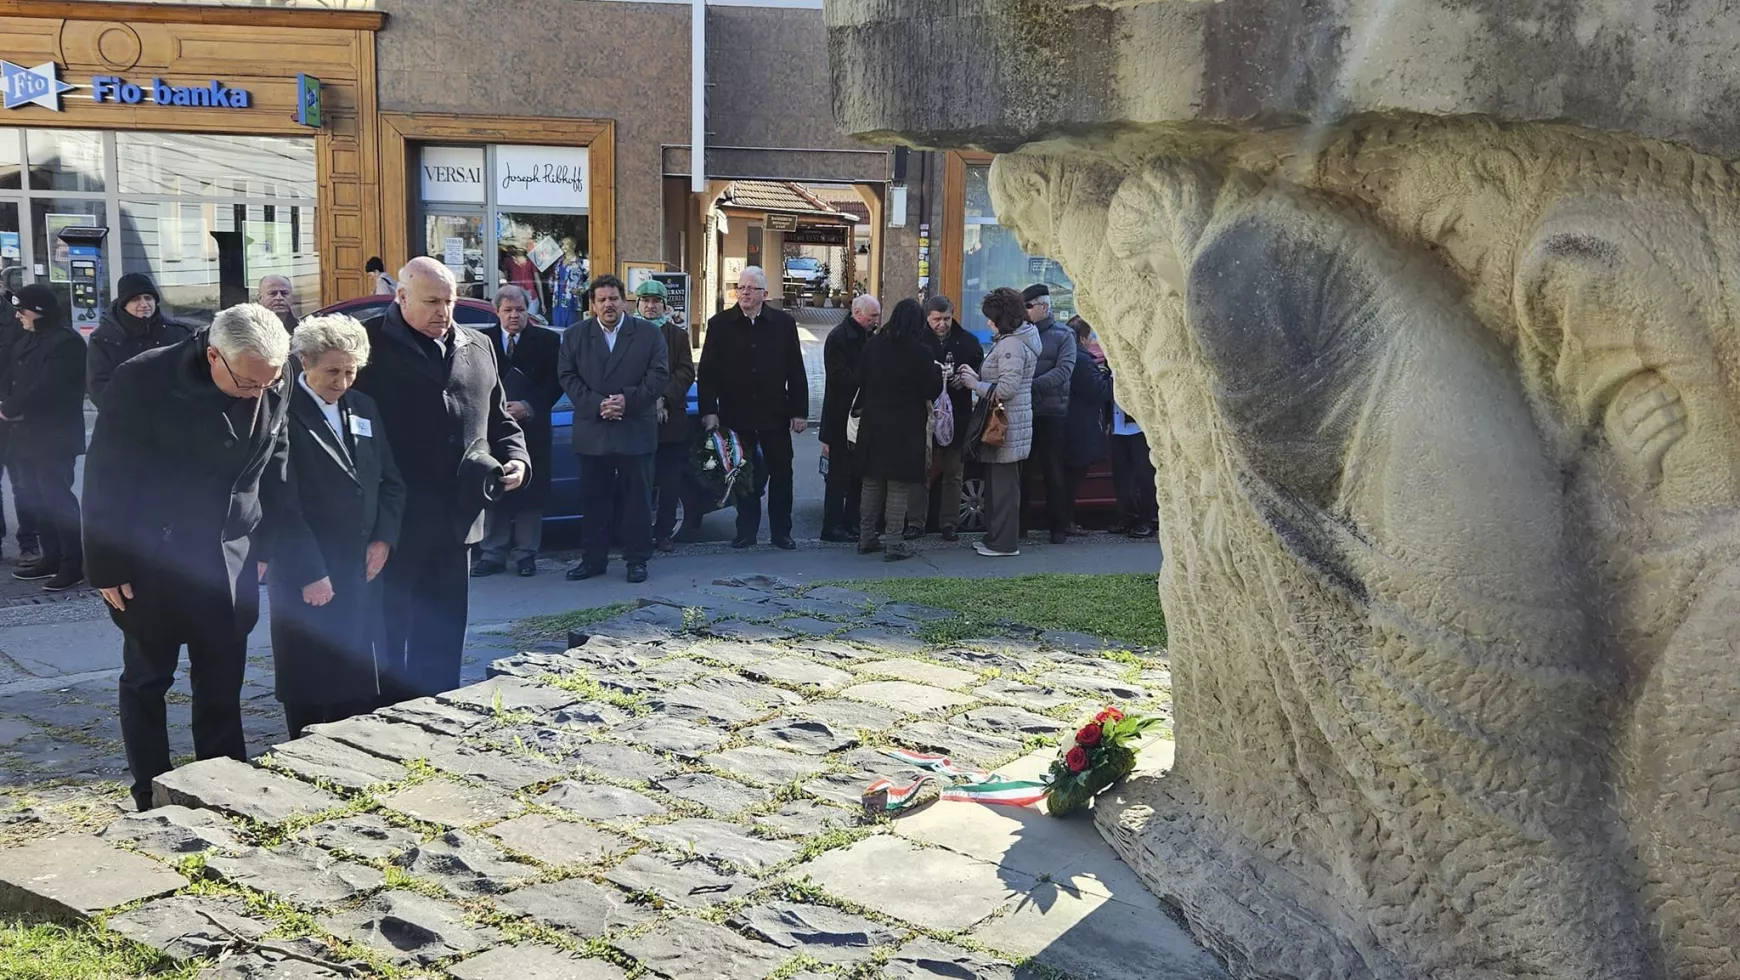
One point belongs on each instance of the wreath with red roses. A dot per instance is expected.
(1100, 755)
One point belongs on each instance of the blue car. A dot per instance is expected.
(565, 466)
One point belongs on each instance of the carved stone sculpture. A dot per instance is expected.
(1446, 415)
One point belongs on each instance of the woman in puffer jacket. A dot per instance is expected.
(1007, 373)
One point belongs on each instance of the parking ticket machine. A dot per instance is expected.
(85, 247)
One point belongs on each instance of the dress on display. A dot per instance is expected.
(570, 284)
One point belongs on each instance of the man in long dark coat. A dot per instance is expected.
(189, 451)
(842, 355)
(436, 384)
(671, 465)
(45, 409)
(526, 359)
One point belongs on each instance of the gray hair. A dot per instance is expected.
(513, 292)
(268, 278)
(249, 328)
(754, 274)
(333, 333)
(862, 302)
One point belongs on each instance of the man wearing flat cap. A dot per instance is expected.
(1050, 411)
(675, 426)
(442, 400)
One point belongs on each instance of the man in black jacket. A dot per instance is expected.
(438, 390)
(133, 324)
(525, 357)
(953, 347)
(842, 354)
(11, 332)
(191, 450)
(46, 406)
(672, 461)
(752, 380)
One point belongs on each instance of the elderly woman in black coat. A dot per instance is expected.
(898, 380)
(326, 602)
(1088, 428)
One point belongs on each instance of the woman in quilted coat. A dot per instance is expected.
(1008, 374)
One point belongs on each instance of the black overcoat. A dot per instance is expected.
(119, 338)
(175, 492)
(900, 379)
(1088, 428)
(530, 377)
(680, 358)
(842, 355)
(47, 400)
(752, 373)
(434, 412)
(350, 495)
(635, 368)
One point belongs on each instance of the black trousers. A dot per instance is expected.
(298, 717)
(426, 596)
(844, 489)
(1133, 476)
(49, 483)
(670, 467)
(1046, 456)
(772, 479)
(21, 502)
(602, 479)
(163, 617)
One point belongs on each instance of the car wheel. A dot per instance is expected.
(972, 504)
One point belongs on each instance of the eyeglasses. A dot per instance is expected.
(243, 384)
(1035, 303)
(752, 289)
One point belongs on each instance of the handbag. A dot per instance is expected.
(996, 424)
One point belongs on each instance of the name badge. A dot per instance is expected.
(361, 427)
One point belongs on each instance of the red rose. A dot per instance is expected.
(1110, 714)
(1077, 759)
(1088, 736)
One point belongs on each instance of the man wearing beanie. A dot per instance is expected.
(46, 406)
(11, 332)
(1050, 410)
(672, 460)
(133, 324)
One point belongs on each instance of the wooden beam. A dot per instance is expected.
(166, 13)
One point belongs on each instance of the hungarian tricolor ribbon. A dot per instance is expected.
(959, 783)
(730, 458)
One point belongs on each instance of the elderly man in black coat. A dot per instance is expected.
(525, 356)
(842, 355)
(326, 599)
(436, 384)
(614, 368)
(752, 380)
(46, 406)
(189, 452)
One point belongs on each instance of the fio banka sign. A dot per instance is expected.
(213, 95)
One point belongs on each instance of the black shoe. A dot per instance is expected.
(852, 531)
(636, 571)
(785, 543)
(912, 534)
(948, 534)
(1120, 527)
(1060, 537)
(838, 537)
(63, 580)
(36, 571)
(484, 567)
(665, 545)
(582, 571)
(897, 553)
(1075, 531)
(29, 554)
(870, 549)
(528, 567)
(1143, 531)
(688, 535)
(742, 542)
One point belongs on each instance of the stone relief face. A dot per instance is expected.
(1429, 425)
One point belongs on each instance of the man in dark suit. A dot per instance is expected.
(526, 358)
(672, 463)
(326, 600)
(190, 450)
(614, 368)
(752, 380)
(436, 385)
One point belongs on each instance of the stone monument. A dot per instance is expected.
(1429, 309)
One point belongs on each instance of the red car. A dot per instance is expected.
(1097, 493)
(474, 313)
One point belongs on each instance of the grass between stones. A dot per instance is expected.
(1119, 608)
(558, 625)
(47, 951)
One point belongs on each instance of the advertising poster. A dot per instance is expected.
(676, 295)
(59, 258)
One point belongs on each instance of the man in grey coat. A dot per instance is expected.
(614, 368)
(1050, 411)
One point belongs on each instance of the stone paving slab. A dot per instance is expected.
(466, 866)
(306, 877)
(836, 938)
(451, 804)
(410, 929)
(559, 842)
(723, 796)
(688, 883)
(73, 878)
(766, 766)
(722, 841)
(906, 696)
(927, 959)
(609, 760)
(366, 836)
(241, 790)
(696, 950)
(1096, 938)
(931, 888)
(273, 966)
(187, 927)
(533, 963)
(318, 757)
(577, 906)
(918, 672)
(173, 832)
(605, 804)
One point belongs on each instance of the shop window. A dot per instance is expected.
(65, 160)
(510, 214)
(991, 257)
(49, 216)
(11, 158)
(11, 247)
(216, 166)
